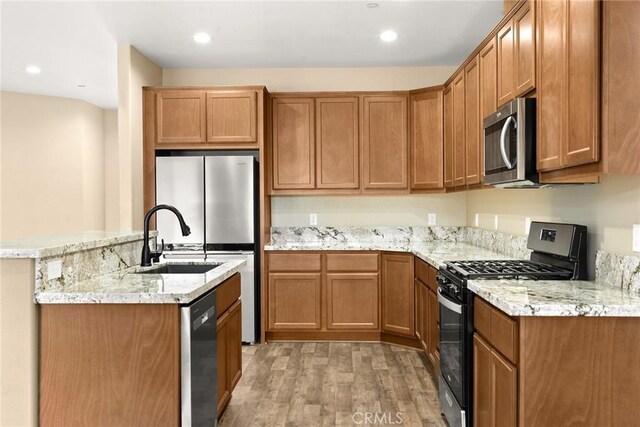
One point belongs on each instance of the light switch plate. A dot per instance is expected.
(477, 220)
(495, 222)
(54, 269)
(636, 237)
(431, 219)
(313, 219)
(527, 225)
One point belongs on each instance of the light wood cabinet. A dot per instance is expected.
(473, 122)
(293, 145)
(568, 98)
(294, 301)
(180, 117)
(621, 93)
(337, 143)
(229, 339)
(352, 301)
(459, 149)
(385, 143)
(232, 116)
(448, 137)
(433, 323)
(398, 294)
(515, 43)
(427, 312)
(222, 361)
(421, 303)
(426, 121)
(488, 60)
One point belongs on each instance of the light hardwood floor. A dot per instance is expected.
(327, 384)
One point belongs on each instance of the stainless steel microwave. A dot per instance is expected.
(510, 145)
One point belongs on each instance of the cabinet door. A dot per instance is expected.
(448, 137)
(421, 308)
(551, 88)
(433, 321)
(398, 294)
(352, 301)
(582, 142)
(224, 393)
(231, 116)
(488, 90)
(294, 301)
(337, 143)
(385, 145)
(473, 122)
(505, 44)
(482, 386)
(293, 143)
(180, 117)
(426, 140)
(505, 391)
(234, 345)
(525, 52)
(459, 174)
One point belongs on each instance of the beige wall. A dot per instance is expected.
(312, 79)
(52, 170)
(111, 182)
(134, 71)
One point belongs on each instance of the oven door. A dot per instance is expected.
(451, 344)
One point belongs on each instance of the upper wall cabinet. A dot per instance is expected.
(473, 122)
(426, 122)
(337, 143)
(231, 116)
(459, 148)
(293, 143)
(568, 99)
(385, 148)
(516, 55)
(448, 136)
(180, 117)
(488, 60)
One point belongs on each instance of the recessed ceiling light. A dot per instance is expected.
(388, 36)
(201, 38)
(32, 69)
(373, 5)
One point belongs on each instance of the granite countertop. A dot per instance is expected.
(54, 245)
(127, 287)
(434, 253)
(557, 298)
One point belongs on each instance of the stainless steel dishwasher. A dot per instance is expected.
(198, 346)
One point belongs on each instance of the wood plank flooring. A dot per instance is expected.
(327, 384)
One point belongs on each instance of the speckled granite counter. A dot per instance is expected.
(127, 287)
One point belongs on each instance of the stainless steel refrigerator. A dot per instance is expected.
(216, 194)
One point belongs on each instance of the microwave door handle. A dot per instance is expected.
(503, 135)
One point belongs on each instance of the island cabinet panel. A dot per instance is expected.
(180, 117)
(337, 143)
(448, 136)
(385, 143)
(352, 301)
(118, 365)
(229, 339)
(223, 374)
(294, 301)
(473, 123)
(426, 123)
(459, 173)
(293, 145)
(398, 294)
(232, 116)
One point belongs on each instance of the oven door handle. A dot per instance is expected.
(503, 136)
(448, 303)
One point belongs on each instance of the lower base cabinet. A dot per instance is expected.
(352, 301)
(229, 353)
(428, 313)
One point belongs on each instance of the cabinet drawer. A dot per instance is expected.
(227, 294)
(422, 271)
(294, 262)
(504, 335)
(352, 262)
(482, 318)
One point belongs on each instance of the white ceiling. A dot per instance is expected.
(76, 42)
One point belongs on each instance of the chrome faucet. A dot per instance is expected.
(147, 255)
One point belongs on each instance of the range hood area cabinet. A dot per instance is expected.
(185, 118)
(357, 142)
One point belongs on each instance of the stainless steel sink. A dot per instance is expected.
(181, 268)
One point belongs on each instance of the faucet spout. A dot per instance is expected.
(147, 254)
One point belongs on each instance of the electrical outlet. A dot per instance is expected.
(527, 225)
(495, 222)
(636, 237)
(431, 219)
(54, 269)
(313, 219)
(476, 220)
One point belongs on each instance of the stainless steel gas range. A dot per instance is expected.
(559, 252)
